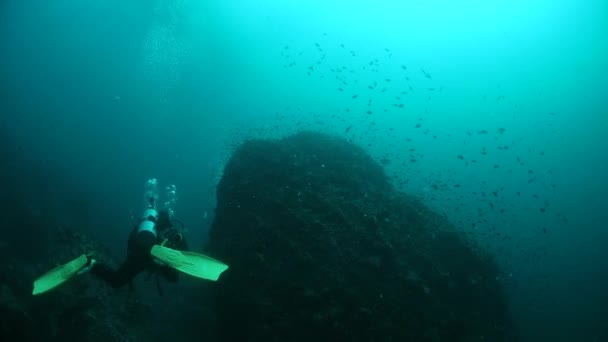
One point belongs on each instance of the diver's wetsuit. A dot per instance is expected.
(139, 258)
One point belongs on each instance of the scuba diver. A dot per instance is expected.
(155, 245)
(139, 259)
(154, 228)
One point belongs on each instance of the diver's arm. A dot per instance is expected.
(131, 241)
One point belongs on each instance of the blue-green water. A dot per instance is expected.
(493, 112)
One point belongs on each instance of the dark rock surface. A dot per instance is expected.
(35, 238)
(322, 247)
(83, 309)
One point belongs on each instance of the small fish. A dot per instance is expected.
(348, 128)
(355, 96)
(426, 74)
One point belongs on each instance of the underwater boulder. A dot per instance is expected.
(321, 245)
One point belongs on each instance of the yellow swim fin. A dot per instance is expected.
(59, 275)
(194, 264)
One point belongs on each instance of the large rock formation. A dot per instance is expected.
(321, 246)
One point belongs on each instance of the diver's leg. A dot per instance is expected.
(121, 276)
(168, 273)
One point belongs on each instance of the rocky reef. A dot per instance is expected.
(35, 238)
(83, 309)
(322, 246)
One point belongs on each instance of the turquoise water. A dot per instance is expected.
(493, 112)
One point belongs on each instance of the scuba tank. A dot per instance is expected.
(148, 221)
(146, 230)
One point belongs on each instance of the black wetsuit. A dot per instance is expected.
(139, 259)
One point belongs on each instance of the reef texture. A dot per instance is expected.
(36, 237)
(81, 310)
(322, 246)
